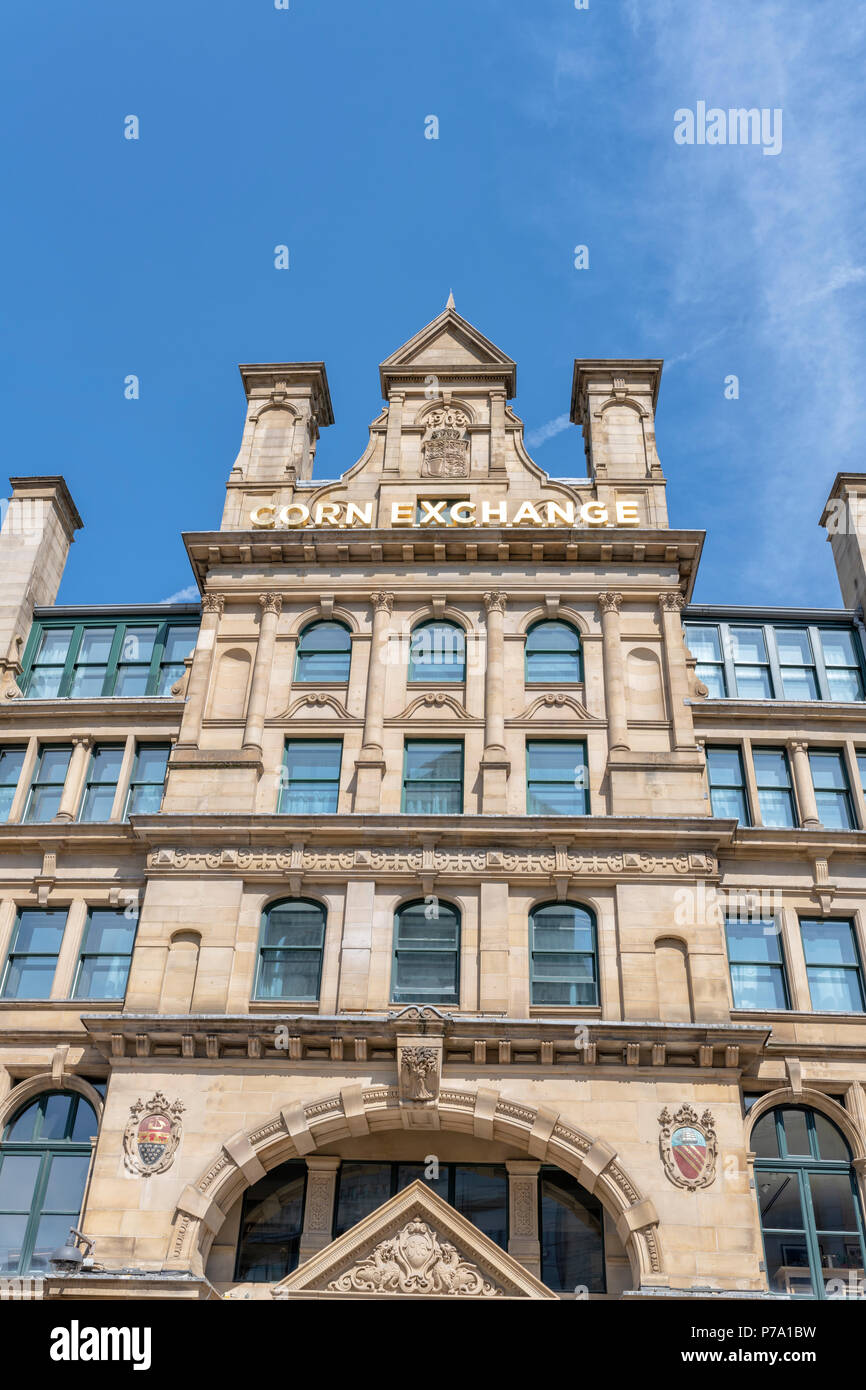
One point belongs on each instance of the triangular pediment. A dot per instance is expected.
(449, 345)
(414, 1246)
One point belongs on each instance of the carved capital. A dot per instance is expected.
(798, 745)
(495, 601)
(271, 603)
(382, 602)
(672, 601)
(610, 602)
(213, 603)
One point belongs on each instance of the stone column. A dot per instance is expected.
(671, 605)
(394, 432)
(271, 606)
(199, 676)
(523, 1241)
(497, 431)
(81, 746)
(494, 764)
(319, 1204)
(799, 755)
(370, 766)
(614, 676)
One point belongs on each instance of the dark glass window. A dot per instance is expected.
(310, 783)
(32, 959)
(106, 954)
(101, 784)
(324, 654)
(46, 789)
(443, 505)
(433, 778)
(44, 1158)
(437, 653)
(85, 660)
(557, 778)
(727, 783)
(831, 790)
(571, 1229)
(272, 1219)
(758, 978)
(775, 795)
(147, 783)
(479, 1191)
(807, 1198)
(832, 964)
(290, 951)
(563, 954)
(11, 763)
(426, 967)
(553, 653)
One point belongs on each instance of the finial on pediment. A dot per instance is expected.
(450, 304)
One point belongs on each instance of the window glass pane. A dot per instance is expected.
(764, 1140)
(747, 644)
(845, 685)
(66, 1178)
(289, 975)
(771, 767)
(481, 1195)
(796, 1133)
(23, 1125)
(105, 764)
(777, 808)
(109, 931)
(831, 1143)
(53, 764)
(363, 1187)
(137, 645)
(572, 1246)
(85, 1124)
(794, 646)
(829, 942)
(150, 764)
(271, 1222)
(51, 1232)
(787, 1259)
(11, 763)
(838, 647)
(753, 683)
(758, 987)
(779, 1201)
(295, 924)
(799, 684)
(102, 977)
(437, 652)
(703, 642)
(755, 940)
(18, 1176)
(314, 760)
(324, 653)
(55, 1118)
(436, 761)
(713, 678)
(95, 646)
(562, 928)
(833, 1201)
(724, 767)
(144, 801)
(179, 642)
(828, 772)
(834, 989)
(553, 652)
(40, 929)
(53, 646)
(729, 803)
(839, 1255)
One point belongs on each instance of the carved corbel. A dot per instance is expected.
(823, 887)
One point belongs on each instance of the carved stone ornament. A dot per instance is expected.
(445, 446)
(152, 1135)
(688, 1147)
(416, 1261)
(420, 1066)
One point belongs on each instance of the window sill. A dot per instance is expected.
(799, 1015)
(109, 1005)
(269, 1006)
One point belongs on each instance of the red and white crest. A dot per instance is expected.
(688, 1147)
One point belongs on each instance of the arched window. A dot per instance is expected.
(426, 967)
(290, 951)
(324, 653)
(553, 653)
(437, 653)
(563, 954)
(807, 1197)
(44, 1157)
(272, 1219)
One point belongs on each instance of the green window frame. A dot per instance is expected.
(553, 653)
(756, 960)
(106, 953)
(557, 777)
(90, 658)
(147, 783)
(832, 790)
(324, 653)
(437, 653)
(291, 951)
(47, 782)
(100, 786)
(759, 659)
(432, 777)
(310, 777)
(775, 791)
(808, 1204)
(727, 781)
(833, 965)
(44, 1161)
(563, 954)
(11, 764)
(425, 967)
(31, 961)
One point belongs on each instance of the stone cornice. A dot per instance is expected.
(794, 715)
(163, 711)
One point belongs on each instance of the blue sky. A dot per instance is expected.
(305, 126)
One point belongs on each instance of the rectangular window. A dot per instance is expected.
(727, 784)
(443, 507)
(101, 784)
(86, 660)
(106, 952)
(557, 778)
(310, 783)
(704, 643)
(861, 767)
(832, 794)
(32, 960)
(148, 779)
(433, 778)
(797, 664)
(775, 795)
(751, 663)
(832, 965)
(46, 789)
(11, 763)
(758, 978)
(842, 664)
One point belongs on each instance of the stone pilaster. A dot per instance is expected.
(202, 664)
(671, 605)
(319, 1204)
(394, 433)
(614, 674)
(271, 607)
(523, 1241)
(81, 746)
(494, 764)
(798, 752)
(370, 765)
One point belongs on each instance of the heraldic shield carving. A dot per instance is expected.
(152, 1135)
(688, 1147)
(445, 446)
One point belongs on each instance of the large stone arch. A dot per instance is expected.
(357, 1110)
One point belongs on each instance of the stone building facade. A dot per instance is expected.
(446, 906)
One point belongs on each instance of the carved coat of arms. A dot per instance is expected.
(688, 1147)
(415, 1261)
(445, 447)
(152, 1135)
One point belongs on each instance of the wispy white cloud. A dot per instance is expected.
(535, 438)
(188, 595)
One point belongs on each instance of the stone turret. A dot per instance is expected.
(614, 402)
